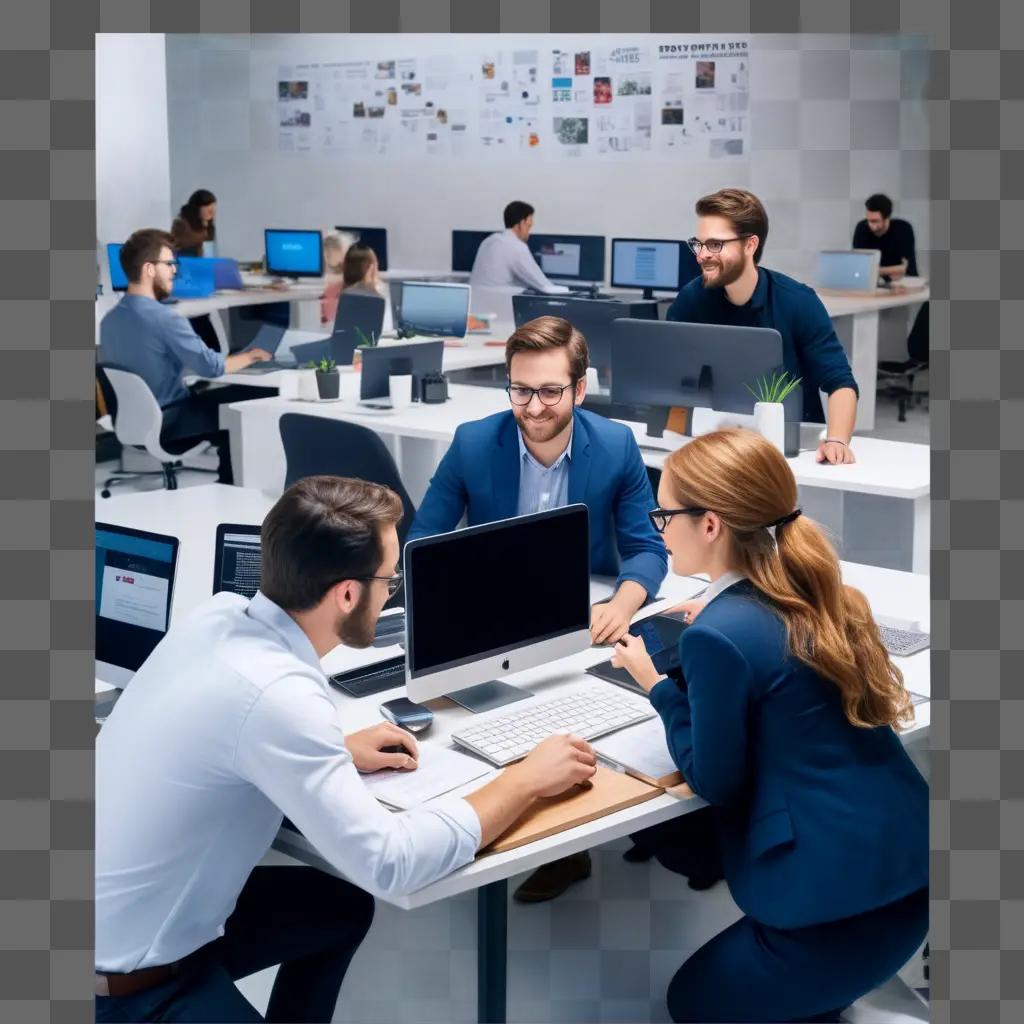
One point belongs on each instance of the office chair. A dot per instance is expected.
(314, 445)
(896, 379)
(138, 420)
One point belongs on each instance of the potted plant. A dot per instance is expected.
(769, 413)
(328, 383)
(366, 340)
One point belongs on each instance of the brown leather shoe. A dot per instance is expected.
(551, 880)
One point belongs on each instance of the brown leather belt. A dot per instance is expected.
(134, 981)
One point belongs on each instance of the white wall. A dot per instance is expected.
(812, 161)
(133, 178)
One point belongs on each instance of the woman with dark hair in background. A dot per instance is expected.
(360, 273)
(785, 722)
(194, 232)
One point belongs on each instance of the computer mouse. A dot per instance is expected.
(407, 715)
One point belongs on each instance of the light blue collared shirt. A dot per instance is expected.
(229, 724)
(542, 487)
(142, 335)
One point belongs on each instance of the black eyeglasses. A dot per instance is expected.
(394, 582)
(713, 245)
(173, 264)
(549, 394)
(660, 516)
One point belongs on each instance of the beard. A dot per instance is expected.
(540, 429)
(357, 629)
(159, 291)
(726, 275)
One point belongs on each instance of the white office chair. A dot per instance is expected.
(138, 420)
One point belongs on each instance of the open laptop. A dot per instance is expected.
(269, 338)
(849, 270)
(135, 573)
(226, 275)
(236, 564)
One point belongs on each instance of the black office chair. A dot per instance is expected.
(896, 379)
(314, 445)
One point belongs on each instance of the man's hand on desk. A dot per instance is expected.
(240, 360)
(610, 619)
(368, 755)
(835, 453)
(554, 765)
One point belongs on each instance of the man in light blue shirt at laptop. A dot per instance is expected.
(142, 335)
(229, 725)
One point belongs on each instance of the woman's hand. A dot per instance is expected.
(689, 609)
(631, 654)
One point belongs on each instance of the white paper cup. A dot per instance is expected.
(291, 384)
(400, 387)
(307, 384)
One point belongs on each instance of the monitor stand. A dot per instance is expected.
(648, 293)
(487, 696)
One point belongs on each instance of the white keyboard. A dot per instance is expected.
(589, 713)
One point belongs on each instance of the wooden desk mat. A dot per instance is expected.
(610, 791)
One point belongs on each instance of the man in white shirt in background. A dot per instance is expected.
(504, 259)
(229, 725)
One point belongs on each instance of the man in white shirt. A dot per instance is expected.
(229, 725)
(504, 259)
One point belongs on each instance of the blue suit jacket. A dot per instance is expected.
(479, 475)
(818, 819)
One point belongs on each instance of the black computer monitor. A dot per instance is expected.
(464, 247)
(537, 611)
(375, 238)
(657, 365)
(237, 561)
(652, 264)
(118, 278)
(134, 586)
(294, 253)
(593, 318)
(433, 309)
(420, 359)
(569, 257)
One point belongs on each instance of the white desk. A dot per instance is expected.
(192, 515)
(419, 435)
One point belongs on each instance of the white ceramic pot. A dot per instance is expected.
(770, 423)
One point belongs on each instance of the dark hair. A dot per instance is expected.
(190, 211)
(549, 332)
(879, 203)
(516, 212)
(322, 530)
(742, 208)
(358, 260)
(142, 247)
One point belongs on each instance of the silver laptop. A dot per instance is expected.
(849, 270)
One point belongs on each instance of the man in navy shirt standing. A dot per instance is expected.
(733, 289)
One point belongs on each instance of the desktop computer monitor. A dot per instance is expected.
(432, 308)
(237, 561)
(134, 585)
(593, 318)
(294, 253)
(495, 599)
(421, 359)
(118, 278)
(375, 238)
(652, 264)
(464, 247)
(569, 257)
(657, 365)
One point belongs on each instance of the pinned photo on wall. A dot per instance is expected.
(487, 70)
(602, 90)
(561, 90)
(385, 69)
(636, 84)
(672, 115)
(359, 109)
(571, 131)
(293, 90)
(583, 62)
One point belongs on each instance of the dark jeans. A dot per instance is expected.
(687, 845)
(309, 922)
(751, 972)
(197, 418)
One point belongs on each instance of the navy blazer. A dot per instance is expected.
(818, 820)
(479, 476)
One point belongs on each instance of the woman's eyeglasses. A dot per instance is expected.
(659, 517)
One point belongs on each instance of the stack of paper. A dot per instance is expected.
(642, 751)
(440, 770)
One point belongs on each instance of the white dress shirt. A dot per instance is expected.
(227, 725)
(713, 589)
(504, 261)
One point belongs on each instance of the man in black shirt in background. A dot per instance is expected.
(894, 237)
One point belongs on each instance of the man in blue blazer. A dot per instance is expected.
(546, 452)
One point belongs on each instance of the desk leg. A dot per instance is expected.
(491, 952)
(864, 363)
(922, 542)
